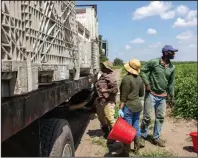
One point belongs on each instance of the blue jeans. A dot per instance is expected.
(159, 105)
(132, 118)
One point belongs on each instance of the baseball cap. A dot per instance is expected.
(167, 48)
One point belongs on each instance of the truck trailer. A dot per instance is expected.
(50, 60)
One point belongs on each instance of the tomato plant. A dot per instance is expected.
(186, 91)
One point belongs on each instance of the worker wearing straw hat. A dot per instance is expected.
(106, 88)
(131, 89)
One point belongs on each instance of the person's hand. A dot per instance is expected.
(121, 113)
(148, 88)
(171, 102)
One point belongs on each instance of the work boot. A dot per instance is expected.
(136, 145)
(125, 153)
(142, 142)
(159, 142)
(106, 131)
(115, 147)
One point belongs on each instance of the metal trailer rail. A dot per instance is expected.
(19, 111)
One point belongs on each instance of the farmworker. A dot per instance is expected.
(106, 88)
(159, 85)
(131, 89)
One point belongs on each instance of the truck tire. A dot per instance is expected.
(56, 138)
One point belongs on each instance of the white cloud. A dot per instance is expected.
(185, 36)
(189, 20)
(185, 16)
(137, 41)
(192, 45)
(155, 45)
(154, 8)
(182, 10)
(151, 31)
(127, 47)
(168, 15)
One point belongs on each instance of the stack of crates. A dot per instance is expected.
(84, 49)
(95, 55)
(38, 43)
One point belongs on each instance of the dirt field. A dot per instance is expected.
(175, 132)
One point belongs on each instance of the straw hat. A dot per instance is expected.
(106, 66)
(133, 66)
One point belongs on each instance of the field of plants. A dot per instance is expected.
(186, 90)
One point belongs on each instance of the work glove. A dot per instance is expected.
(121, 113)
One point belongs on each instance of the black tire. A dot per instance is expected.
(55, 136)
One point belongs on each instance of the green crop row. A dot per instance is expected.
(186, 91)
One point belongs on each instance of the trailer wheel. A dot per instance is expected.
(56, 138)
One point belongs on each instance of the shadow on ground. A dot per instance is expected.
(95, 133)
(189, 148)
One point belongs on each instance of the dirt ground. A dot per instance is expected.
(175, 132)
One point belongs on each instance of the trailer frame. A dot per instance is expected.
(20, 111)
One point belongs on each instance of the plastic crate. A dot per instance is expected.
(38, 36)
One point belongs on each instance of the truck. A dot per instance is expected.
(50, 60)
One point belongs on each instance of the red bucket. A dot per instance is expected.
(194, 136)
(122, 131)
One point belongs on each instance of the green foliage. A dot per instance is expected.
(118, 62)
(186, 90)
(123, 72)
(116, 111)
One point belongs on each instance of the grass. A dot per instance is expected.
(99, 141)
(156, 153)
(116, 67)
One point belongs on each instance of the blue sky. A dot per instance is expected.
(139, 29)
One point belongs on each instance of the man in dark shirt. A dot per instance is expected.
(159, 85)
(131, 89)
(106, 88)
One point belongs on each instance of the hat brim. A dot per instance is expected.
(131, 70)
(174, 50)
(106, 67)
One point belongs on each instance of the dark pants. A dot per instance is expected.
(132, 118)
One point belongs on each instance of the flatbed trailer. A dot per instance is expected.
(55, 135)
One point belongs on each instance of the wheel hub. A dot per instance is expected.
(67, 151)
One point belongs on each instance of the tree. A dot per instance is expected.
(118, 62)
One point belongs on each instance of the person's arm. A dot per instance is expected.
(124, 91)
(145, 69)
(141, 92)
(112, 84)
(171, 84)
(171, 88)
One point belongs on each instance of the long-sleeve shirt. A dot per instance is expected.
(159, 76)
(108, 82)
(131, 89)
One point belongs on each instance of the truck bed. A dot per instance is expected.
(19, 111)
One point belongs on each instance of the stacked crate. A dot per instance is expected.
(88, 18)
(84, 49)
(95, 56)
(39, 42)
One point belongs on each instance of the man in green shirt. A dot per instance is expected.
(158, 76)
